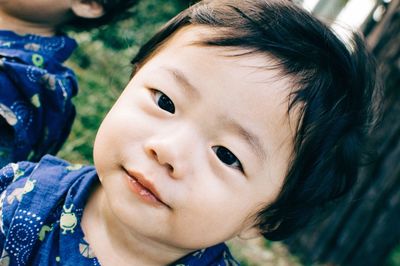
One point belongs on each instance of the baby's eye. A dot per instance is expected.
(164, 102)
(227, 157)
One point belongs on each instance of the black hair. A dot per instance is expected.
(113, 10)
(334, 88)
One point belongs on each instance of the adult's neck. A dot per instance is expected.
(22, 27)
(114, 244)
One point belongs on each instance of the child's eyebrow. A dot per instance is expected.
(250, 137)
(189, 89)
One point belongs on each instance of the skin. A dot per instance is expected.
(206, 194)
(43, 17)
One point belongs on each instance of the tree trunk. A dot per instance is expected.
(365, 227)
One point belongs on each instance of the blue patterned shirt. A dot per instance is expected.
(36, 112)
(41, 206)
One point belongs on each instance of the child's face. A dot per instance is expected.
(205, 131)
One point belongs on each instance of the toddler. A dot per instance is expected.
(36, 112)
(242, 118)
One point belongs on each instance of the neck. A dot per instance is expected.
(24, 27)
(114, 244)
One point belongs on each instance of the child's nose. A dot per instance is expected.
(172, 151)
(154, 151)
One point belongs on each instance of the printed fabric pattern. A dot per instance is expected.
(36, 112)
(41, 206)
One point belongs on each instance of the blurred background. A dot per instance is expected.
(363, 230)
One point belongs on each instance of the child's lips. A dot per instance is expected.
(144, 188)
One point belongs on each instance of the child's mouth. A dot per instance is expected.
(143, 188)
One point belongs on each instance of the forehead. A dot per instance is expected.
(239, 90)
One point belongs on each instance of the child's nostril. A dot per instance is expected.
(154, 154)
(170, 168)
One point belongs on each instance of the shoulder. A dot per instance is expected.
(48, 167)
(27, 184)
(50, 173)
(32, 191)
(53, 176)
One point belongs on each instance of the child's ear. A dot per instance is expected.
(87, 8)
(249, 233)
